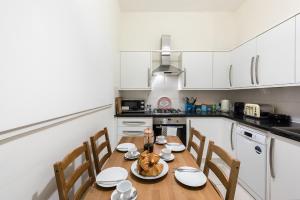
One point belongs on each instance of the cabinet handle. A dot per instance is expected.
(184, 77)
(230, 80)
(149, 72)
(256, 69)
(251, 70)
(131, 133)
(133, 122)
(271, 158)
(231, 136)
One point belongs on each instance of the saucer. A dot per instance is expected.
(161, 142)
(167, 159)
(114, 195)
(128, 157)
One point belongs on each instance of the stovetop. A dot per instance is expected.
(172, 111)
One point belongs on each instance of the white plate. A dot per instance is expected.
(127, 156)
(111, 174)
(192, 179)
(161, 142)
(169, 159)
(175, 148)
(164, 171)
(123, 147)
(114, 195)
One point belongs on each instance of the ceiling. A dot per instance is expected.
(179, 5)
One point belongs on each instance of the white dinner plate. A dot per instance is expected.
(114, 195)
(111, 174)
(164, 171)
(192, 179)
(129, 157)
(161, 142)
(123, 147)
(175, 147)
(167, 159)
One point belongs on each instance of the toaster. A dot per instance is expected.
(258, 110)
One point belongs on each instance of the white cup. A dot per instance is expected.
(161, 138)
(166, 153)
(124, 189)
(132, 151)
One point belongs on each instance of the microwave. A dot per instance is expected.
(133, 106)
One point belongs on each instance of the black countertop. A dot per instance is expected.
(264, 124)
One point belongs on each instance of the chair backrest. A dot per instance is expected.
(197, 148)
(228, 182)
(64, 185)
(97, 149)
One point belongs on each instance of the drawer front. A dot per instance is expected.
(131, 131)
(135, 122)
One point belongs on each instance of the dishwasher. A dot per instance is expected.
(251, 149)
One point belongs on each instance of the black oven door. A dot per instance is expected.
(162, 130)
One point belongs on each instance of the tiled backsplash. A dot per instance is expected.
(286, 100)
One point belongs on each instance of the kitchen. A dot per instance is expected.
(228, 69)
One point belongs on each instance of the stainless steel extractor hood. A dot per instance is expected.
(165, 59)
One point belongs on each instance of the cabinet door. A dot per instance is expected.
(298, 48)
(221, 70)
(243, 65)
(229, 137)
(276, 51)
(197, 70)
(135, 70)
(211, 128)
(286, 164)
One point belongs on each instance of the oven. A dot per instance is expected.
(170, 126)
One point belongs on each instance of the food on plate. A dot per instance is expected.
(148, 165)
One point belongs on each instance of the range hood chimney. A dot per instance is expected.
(165, 59)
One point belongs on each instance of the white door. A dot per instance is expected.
(243, 65)
(285, 183)
(135, 70)
(276, 51)
(298, 48)
(221, 70)
(197, 70)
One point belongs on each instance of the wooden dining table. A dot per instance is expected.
(165, 188)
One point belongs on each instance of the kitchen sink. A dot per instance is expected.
(289, 129)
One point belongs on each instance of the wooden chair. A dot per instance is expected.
(197, 148)
(228, 182)
(97, 149)
(64, 185)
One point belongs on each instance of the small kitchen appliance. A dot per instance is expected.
(133, 106)
(258, 110)
(239, 108)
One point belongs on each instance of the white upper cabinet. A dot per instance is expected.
(285, 176)
(298, 48)
(243, 59)
(135, 70)
(275, 60)
(197, 68)
(222, 65)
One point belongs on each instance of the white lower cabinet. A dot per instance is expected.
(132, 127)
(219, 130)
(284, 170)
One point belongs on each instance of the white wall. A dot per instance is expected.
(257, 16)
(27, 159)
(189, 31)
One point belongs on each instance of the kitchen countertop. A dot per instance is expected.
(264, 124)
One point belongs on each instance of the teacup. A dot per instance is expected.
(160, 138)
(166, 153)
(124, 189)
(132, 151)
